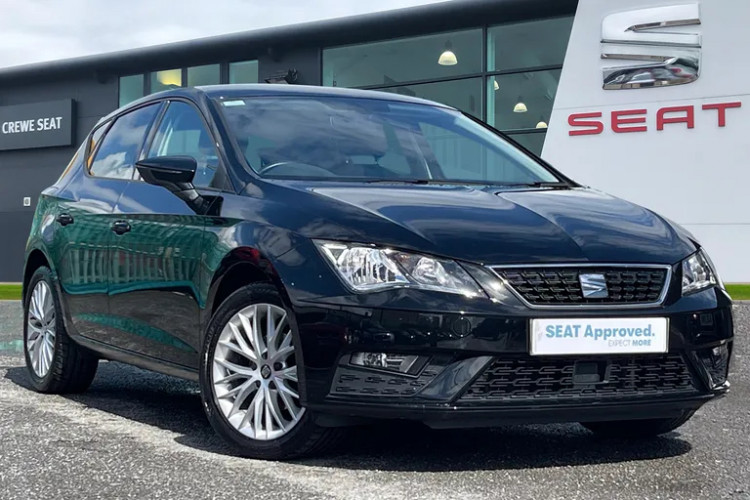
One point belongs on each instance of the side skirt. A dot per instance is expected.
(136, 359)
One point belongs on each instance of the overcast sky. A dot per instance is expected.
(43, 30)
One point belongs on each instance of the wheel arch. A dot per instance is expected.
(35, 259)
(240, 267)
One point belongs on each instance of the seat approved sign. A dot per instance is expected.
(599, 336)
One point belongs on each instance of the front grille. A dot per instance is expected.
(520, 380)
(560, 286)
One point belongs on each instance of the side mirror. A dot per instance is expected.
(176, 174)
(172, 172)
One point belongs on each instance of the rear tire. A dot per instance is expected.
(55, 362)
(637, 428)
(249, 382)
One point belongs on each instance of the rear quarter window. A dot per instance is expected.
(74, 164)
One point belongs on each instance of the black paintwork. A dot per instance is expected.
(141, 268)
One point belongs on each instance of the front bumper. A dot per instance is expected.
(447, 417)
(479, 371)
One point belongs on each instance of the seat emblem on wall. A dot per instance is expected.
(654, 47)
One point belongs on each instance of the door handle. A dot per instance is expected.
(120, 227)
(64, 219)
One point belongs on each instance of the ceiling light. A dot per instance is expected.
(542, 123)
(448, 58)
(520, 107)
(496, 85)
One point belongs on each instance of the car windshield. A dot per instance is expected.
(340, 138)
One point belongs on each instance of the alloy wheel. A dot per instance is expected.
(255, 373)
(40, 337)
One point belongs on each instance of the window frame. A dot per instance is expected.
(111, 121)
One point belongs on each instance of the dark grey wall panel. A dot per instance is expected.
(27, 172)
(93, 97)
(305, 60)
(14, 226)
(27, 180)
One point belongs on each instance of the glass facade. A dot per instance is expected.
(510, 82)
(243, 72)
(506, 75)
(210, 74)
(131, 88)
(529, 44)
(134, 87)
(522, 84)
(430, 57)
(166, 79)
(521, 100)
(465, 94)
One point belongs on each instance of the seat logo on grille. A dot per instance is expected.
(593, 286)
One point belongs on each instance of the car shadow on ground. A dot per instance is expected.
(174, 405)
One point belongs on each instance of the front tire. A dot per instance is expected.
(56, 364)
(637, 428)
(248, 378)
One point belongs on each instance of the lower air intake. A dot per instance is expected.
(522, 380)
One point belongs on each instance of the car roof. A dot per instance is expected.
(265, 89)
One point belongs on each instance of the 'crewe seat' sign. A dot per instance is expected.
(36, 125)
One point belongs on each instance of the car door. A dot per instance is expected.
(155, 259)
(84, 218)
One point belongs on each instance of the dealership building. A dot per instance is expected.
(530, 68)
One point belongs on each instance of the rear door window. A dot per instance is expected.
(118, 150)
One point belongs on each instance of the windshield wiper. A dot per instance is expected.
(398, 181)
(541, 184)
(537, 184)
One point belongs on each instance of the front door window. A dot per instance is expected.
(183, 133)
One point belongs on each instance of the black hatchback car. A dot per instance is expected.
(317, 258)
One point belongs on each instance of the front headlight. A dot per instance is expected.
(697, 273)
(369, 268)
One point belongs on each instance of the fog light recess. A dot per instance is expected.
(399, 363)
(716, 362)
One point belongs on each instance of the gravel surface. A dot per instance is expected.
(140, 435)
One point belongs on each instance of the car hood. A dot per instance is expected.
(501, 227)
